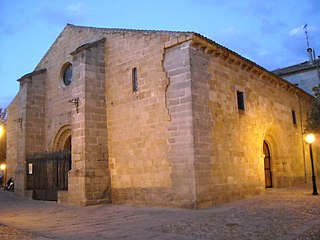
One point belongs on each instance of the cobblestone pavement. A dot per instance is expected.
(291, 213)
(10, 233)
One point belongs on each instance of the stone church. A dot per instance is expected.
(158, 118)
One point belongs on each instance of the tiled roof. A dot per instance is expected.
(301, 67)
(189, 34)
(123, 30)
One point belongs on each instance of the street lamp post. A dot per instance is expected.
(310, 139)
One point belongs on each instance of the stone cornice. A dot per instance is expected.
(30, 75)
(174, 41)
(210, 47)
(87, 46)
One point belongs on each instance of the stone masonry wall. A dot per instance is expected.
(229, 160)
(90, 177)
(203, 128)
(59, 111)
(31, 122)
(180, 129)
(35, 113)
(137, 121)
(13, 126)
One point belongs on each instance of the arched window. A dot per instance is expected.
(67, 74)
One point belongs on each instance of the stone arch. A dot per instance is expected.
(273, 147)
(272, 144)
(267, 165)
(62, 140)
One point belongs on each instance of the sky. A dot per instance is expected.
(267, 32)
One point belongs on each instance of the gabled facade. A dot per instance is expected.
(156, 118)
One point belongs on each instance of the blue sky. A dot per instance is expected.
(270, 33)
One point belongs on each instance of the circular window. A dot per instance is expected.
(67, 75)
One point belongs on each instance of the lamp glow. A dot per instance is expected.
(310, 138)
(1, 130)
(3, 167)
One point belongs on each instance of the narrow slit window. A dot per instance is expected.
(135, 80)
(240, 100)
(294, 119)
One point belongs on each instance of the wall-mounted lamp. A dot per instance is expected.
(75, 102)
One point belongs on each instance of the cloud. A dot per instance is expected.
(238, 41)
(270, 54)
(78, 9)
(74, 13)
(299, 30)
(296, 36)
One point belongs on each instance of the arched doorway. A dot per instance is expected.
(50, 170)
(62, 141)
(267, 165)
(67, 144)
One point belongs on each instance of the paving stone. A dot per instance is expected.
(281, 214)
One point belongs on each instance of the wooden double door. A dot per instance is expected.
(267, 165)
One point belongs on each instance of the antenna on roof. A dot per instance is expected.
(306, 33)
(309, 49)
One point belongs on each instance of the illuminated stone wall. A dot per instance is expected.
(178, 139)
(229, 159)
(12, 128)
(26, 123)
(149, 156)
